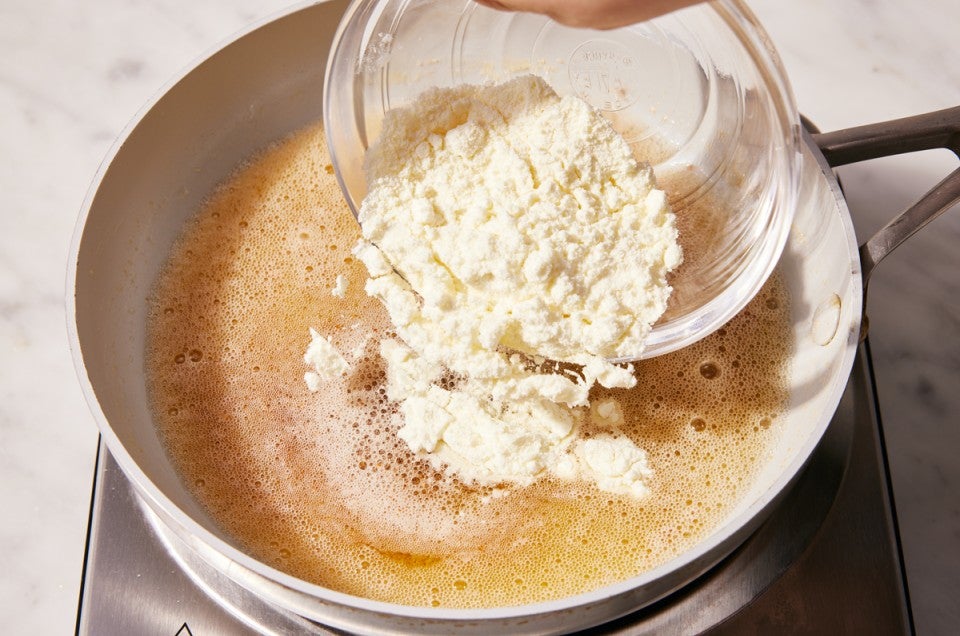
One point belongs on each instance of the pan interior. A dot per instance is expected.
(231, 105)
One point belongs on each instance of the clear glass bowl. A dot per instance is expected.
(699, 94)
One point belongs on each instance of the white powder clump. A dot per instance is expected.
(607, 413)
(326, 361)
(504, 219)
(484, 440)
(493, 441)
(614, 463)
(340, 287)
(522, 220)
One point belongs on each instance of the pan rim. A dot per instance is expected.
(741, 524)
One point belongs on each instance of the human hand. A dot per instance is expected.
(593, 14)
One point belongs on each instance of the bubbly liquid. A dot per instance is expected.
(318, 485)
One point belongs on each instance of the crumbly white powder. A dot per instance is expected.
(522, 220)
(326, 361)
(460, 429)
(494, 441)
(506, 218)
(340, 287)
(607, 413)
(614, 463)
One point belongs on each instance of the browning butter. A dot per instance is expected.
(319, 486)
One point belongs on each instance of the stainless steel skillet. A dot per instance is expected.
(266, 84)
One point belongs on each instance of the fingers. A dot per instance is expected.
(493, 4)
(593, 14)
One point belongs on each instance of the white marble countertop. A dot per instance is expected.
(72, 74)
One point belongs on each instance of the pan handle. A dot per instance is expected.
(939, 129)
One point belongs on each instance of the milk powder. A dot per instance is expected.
(504, 219)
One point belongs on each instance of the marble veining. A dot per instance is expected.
(856, 62)
(73, 74)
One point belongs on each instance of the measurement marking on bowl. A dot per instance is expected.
(825, 321)
(601, 74)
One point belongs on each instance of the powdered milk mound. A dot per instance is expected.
(320, 486)
(500, 218)
(520, 219)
